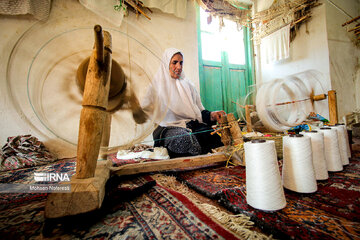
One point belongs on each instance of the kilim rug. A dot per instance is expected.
(134, 208)
(333, 212)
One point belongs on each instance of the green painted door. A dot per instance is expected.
(224, 66)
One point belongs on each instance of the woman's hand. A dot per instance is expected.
(216, 115)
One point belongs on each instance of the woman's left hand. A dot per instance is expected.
(216, 115)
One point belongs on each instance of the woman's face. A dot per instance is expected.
(176, 64)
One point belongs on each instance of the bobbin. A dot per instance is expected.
(264, 190)
(298, 172)
(342, 143)
(318, 154)
(331, 149)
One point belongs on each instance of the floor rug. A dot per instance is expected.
(134, 208)
(333, 212)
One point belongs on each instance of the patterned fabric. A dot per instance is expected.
(133, 208)
(332, 212)
(180, 142)
(24, 151)
(26, 176)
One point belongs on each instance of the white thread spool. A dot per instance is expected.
(342, 144)
(318, 154)
(298, 172)
(264, 190)
(332, 152)
(347, 138)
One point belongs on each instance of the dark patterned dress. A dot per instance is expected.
(193, 140)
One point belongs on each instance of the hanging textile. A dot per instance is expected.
(276, 46)
(176, 7)
(40, 9)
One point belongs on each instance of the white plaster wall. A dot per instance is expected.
(309, 50)
(164, 30)
(344, 55)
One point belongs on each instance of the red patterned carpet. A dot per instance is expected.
(333, 212)
(134, 208)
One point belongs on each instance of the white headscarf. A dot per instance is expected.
(178, 96)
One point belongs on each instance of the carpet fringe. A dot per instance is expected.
(239, 224)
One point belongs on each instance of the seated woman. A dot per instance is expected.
(186, 126)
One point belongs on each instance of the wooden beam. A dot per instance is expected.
(350, 21)
(169, 164)
(95, 101)
(86, 195)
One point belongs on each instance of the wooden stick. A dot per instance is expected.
(332, 107)
(355, 28)
(99, 44)
(350, 21)
(163, 165)
(137, 8)
(300, 19)
(319, 97)
(248, 118)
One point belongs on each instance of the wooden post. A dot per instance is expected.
(237, 139)
(332, 107)
(88, 185)
(248, 118)
(95, 101)
(234, 129)
(225, 132)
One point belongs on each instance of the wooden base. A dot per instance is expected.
(169, 164)
(86, 195)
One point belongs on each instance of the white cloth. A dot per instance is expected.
(40, 9)
(105, 9)
(276, 46)
(176, 7)
(178, 97)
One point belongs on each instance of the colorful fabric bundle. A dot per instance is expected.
(24, 151)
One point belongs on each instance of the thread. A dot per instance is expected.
(286, 102)
(298, 172)
(347, 139)
(332, 152)
(264, 190)
(342, 144)
(318, 154)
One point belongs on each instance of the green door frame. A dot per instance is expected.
(248, 67)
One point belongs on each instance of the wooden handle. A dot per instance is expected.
(319, 97)
(332, 107)
(99, 44)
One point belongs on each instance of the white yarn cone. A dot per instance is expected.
(332, 152)
(298, 172)
(347, 139)
(342, 144)
(318, 154)
(264, 190)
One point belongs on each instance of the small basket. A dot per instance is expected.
(277, 137)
